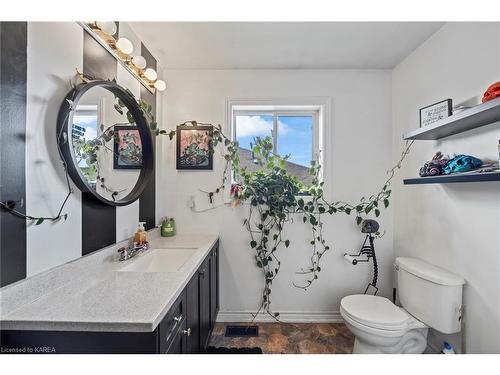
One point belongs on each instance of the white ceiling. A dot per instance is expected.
(283, 45)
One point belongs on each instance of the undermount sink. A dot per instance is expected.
(159, 260)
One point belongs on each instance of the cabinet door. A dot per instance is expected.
(173, 323)
(214, 285)
(193, 315)
(204, 280)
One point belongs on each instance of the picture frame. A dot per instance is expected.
(435, 112)
(127, 147)
(194, 149)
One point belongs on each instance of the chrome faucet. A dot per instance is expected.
(131, 251)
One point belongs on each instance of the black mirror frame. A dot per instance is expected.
(64, 129)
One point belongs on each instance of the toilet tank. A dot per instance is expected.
(431, 294)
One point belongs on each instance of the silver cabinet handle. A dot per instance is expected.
(178, 318)
(187, 332)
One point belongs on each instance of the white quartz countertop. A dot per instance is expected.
(90, 294)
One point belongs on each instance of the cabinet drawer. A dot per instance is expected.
(172, 323)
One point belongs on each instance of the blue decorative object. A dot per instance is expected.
(462, 163)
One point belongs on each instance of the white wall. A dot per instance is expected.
(359, 149)
(55, 49)
(456, 226)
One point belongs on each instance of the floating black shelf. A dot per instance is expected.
(465, 177)
(475, 117)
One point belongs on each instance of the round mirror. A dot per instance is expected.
(105, 141)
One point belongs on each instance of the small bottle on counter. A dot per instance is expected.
(140, 237)
(168, 227)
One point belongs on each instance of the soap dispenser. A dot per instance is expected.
(140, 237)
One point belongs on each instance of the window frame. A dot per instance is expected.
(284, 111)
(322, 138)
(276, 114)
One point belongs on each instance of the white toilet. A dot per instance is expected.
(431, 297)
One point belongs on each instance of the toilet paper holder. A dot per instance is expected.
(366, 252)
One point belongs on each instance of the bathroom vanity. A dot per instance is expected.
(164, 300)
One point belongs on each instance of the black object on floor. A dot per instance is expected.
(242, 331)
(214, 350)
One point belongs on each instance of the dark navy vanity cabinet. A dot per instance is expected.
(186, 328)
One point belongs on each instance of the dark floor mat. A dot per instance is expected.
(214, 350)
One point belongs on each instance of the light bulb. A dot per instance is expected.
(125, 46)
(150, 74)
(139, 62)
(108, 27)
(160, 85)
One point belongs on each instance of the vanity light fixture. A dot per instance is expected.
(160, 85)
(125, 46)
(150, 74)
(122, 49)
(139, 62)
(108, 27)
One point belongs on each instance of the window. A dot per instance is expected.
(85, 129)
(293, 129)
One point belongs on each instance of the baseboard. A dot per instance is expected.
(286, 317)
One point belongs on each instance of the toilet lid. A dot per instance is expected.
(376, 312)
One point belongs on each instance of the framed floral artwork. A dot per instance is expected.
(194, 144)
(127, 148)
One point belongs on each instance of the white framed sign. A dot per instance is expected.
(435, 112)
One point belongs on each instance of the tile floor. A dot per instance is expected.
(290, 338)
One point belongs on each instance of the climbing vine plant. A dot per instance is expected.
(276, 197)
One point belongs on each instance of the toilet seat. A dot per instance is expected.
(378, 315)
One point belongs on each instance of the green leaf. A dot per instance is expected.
(253, 244)
(130, 118)
(359, 220)
(348, 211)
(386, 203)
(377, 212)
(39, 221)
(287, 243)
